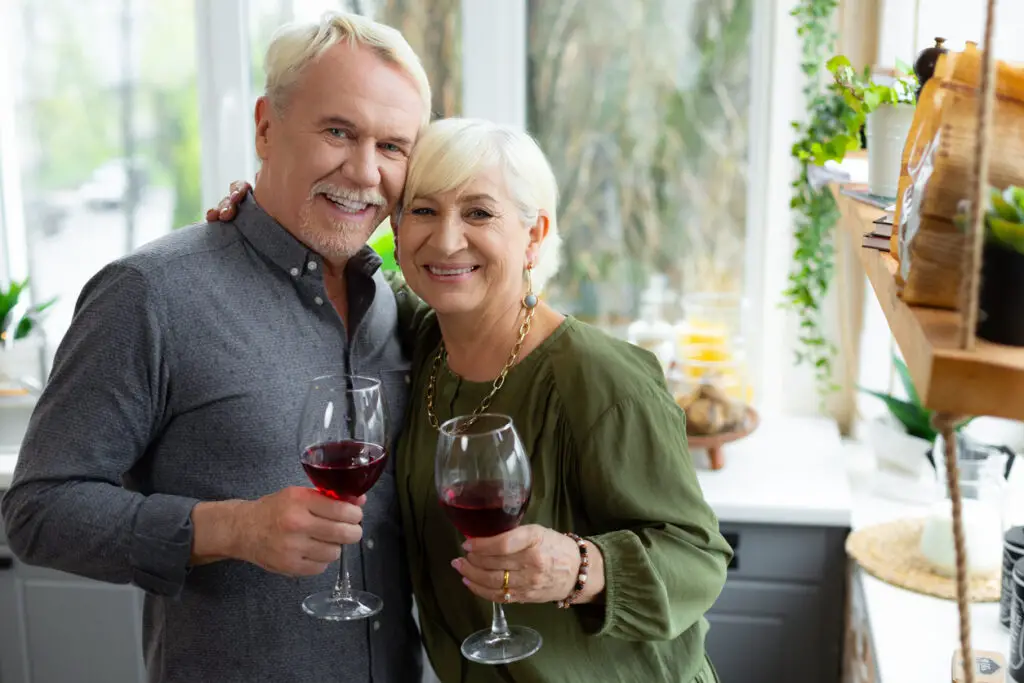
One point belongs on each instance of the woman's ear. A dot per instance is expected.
(538, 232)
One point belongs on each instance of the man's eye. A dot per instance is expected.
(337, 132)
(390, 147)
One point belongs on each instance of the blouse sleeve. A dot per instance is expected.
(665, 560)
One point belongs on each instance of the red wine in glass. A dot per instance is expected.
(343, 448)
(481, 509)
(483, 481)
(344, 469)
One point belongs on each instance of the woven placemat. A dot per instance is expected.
(890, 552)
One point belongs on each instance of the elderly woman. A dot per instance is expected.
(476, 238)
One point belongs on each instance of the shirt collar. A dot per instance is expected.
(273, 241)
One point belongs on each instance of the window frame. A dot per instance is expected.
(495, 87)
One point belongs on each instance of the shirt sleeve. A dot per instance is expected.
(664, 558)
(103, 405)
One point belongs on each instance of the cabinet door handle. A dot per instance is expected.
(6, 563)
(733, 539)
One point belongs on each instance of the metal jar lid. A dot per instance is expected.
(1014, 539)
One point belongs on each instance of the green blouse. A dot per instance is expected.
(610, 462)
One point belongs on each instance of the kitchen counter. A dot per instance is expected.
(790, 471)
(913, 636)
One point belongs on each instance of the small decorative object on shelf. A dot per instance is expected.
(887, 109)
(924, 65)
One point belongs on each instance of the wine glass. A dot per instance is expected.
(343, 442)
(483, 481)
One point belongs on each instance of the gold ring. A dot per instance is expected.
(506, 594)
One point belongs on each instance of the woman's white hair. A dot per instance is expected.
(451, 152)
(295, 45)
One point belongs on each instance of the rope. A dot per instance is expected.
(970, 280)
(944, 423)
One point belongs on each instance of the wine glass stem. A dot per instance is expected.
(343, 587)
(499, 626)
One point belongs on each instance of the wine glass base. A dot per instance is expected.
(358, 605)
(484, 647)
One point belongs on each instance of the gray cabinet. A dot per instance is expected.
(58, 628)
(780, 615)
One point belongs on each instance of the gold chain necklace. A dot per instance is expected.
(442, 357)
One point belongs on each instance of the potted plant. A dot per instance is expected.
(20, 349)
(904, 439)
(888, 111)
(1002, 269)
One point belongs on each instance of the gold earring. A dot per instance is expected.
(530, 300)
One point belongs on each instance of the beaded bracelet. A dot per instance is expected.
(581, 577)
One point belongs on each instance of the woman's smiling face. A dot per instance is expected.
(465, 250)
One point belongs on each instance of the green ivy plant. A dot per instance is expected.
(824, 135)
(13, 327)
(837, 108)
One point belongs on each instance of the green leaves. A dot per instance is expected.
(912, 414)
(10, 331)
(915, 419)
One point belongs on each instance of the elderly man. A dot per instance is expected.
(163, 450)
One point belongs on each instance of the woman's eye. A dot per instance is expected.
(479, 214)
(422, 211)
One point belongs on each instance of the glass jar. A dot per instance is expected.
(723, 366)
(983, 470)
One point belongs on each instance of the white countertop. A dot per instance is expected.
(7, 461)
(913, 635)
(789, 471)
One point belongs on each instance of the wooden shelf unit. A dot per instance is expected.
(986, 381)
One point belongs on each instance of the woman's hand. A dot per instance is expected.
(542, 564)
(228, 206)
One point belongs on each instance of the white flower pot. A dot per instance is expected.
(21, 364)
(887, 129)
(895, 450)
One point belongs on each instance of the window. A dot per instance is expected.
(108, 135)
(438, 47)
(642, 110)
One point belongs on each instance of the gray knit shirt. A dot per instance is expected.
(181, 380)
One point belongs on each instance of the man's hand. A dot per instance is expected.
(296, 531)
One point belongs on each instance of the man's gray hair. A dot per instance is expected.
(295, 45)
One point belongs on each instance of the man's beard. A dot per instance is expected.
(336, 240)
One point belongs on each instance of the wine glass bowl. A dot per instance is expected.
(483, 480)
(344, 469)
(344, 449)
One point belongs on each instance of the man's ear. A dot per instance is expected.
(263, 115)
